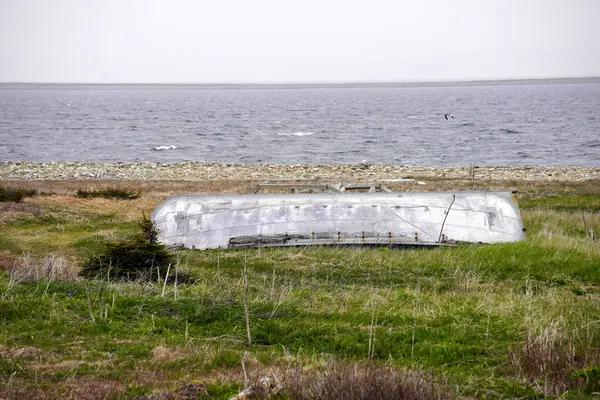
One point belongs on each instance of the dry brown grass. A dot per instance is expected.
(188, 391)
(53, 268)
(163, 188)
(158, 190)
(27, 353)
(549, 356)
(163, 353)
(11, 211)
(7, 262)
(155, 191)
(71, 389)
(102, 206)
(361, 381)
(66, 365)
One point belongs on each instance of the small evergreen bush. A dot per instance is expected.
(131, 260)
(138, 259)
(149, 231)
(141, 258)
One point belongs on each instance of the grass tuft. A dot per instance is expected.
(361, 381)
(550, 357)
(54, 268)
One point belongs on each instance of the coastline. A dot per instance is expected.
(296, 85)
(195, 171)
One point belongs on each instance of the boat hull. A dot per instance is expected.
(386, 219)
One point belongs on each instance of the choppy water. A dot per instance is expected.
(541, 124)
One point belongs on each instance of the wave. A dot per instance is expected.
(593, 143)
(160, 148)
(505, 130)
(295, 133)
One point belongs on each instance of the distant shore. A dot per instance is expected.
(194, 171)
(293, 85)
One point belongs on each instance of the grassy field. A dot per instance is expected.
(515, 320)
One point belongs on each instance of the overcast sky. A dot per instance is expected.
(217, 41)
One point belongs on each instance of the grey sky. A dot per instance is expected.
(198, 41)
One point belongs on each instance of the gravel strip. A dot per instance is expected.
(205, 171)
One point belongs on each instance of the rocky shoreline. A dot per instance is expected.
(194, 171)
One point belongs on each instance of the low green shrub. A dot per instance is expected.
(7, 195)
(109, 193)
(139, 259)
(130, 260)
(15, 195)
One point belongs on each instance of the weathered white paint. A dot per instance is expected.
(215, 221)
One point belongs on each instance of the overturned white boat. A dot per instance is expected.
(385, 219)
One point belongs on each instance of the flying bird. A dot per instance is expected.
(448, 115)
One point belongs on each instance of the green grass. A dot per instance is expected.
(459, 314)
(583, 203)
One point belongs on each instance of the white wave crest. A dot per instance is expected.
(295, 133)
(159, 148)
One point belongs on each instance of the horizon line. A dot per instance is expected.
(311, 83)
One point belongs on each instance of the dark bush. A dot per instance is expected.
(108, 193)
(131, 260)
(7, 195)
(141, 258)
(15, 195)
(28, 192)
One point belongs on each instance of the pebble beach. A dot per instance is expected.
(194, 171)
